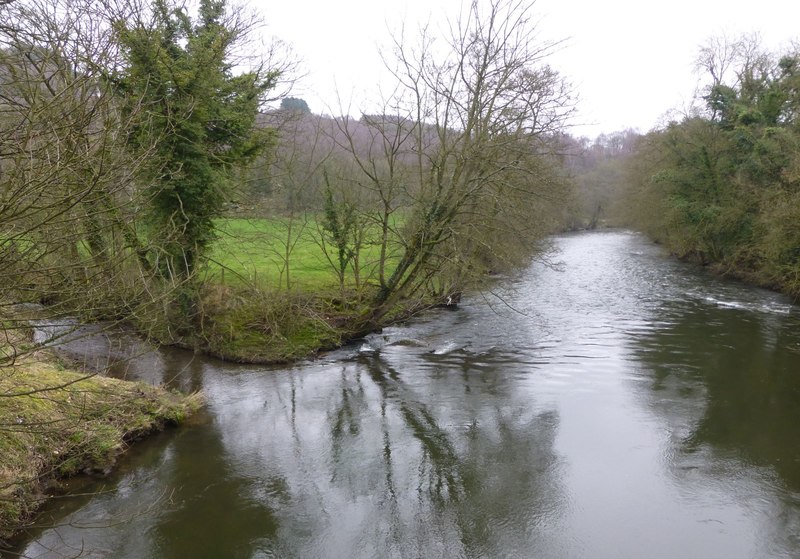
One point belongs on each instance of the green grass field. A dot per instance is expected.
(251, 251)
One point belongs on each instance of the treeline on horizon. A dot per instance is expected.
(720, 186)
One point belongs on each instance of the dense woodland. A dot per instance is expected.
(721, 186)
(133, 133)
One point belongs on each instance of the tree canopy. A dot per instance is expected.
(723, 185)
(201, 114)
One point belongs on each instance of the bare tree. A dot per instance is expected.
(295, 177)
(69, 209)
(68, 200)
(472, 122)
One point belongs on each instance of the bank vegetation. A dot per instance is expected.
(134, 133)
(721, 184)
(58, 420)
(149, 178)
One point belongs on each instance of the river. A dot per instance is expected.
(616, 404)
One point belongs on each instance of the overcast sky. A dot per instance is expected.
(630, 61)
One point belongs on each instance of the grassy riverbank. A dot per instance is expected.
(259, 302)
(56, 422)
(256, 325)
(269, 326)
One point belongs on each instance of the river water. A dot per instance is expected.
(617, 405)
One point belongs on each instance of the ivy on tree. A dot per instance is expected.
(202, 115)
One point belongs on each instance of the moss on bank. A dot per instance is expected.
(56, 422)
(253, 325)
(257, 326)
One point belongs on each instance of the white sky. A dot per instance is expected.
(630, 61)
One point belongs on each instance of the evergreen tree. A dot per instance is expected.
(295, 104)
(202, 115)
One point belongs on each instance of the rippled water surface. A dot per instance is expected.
(619, 405)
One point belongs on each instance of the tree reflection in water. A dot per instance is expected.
(486, 472)
(726, 379)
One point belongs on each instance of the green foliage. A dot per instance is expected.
(728, 179)
(294, 104)
(201, 115)
(338, 226)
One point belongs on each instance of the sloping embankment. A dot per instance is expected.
(56, 422)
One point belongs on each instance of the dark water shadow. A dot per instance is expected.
(727, 381)
(742, 372)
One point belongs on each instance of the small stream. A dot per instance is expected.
(619, 405)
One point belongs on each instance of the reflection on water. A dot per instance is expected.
(624, 405)
(738, 372)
